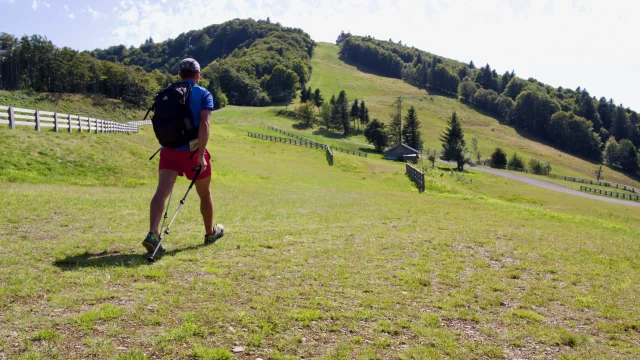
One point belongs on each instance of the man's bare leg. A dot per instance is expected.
(206, 203)
(166, 179)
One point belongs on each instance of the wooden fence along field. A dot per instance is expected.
(610, 193)
(309, 144)
(140, 122)
(599, 183)
(45, 119)
(329, 156)
(350, 152)
(417, 176)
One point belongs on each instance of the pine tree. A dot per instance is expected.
(411, 130)
(395, 128)
(318, 100)
(453, 144)
(355, 112)
(342, 104)
(362, 112)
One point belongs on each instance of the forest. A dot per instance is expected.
(245, 62)
(570, 120)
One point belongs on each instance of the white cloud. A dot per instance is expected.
(36, 3)
(570, 43)
(94, 13)
(66, 7)
(72, 16)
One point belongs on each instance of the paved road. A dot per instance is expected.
(552, 186)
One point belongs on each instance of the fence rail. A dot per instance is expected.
(599, 183)
(350, 152)
(38, 119)
(416, 176)
(140, 122)
(610, 193)
(309, 144)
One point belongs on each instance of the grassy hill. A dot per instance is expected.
(319, 261)
(332, 75)
(91, 105)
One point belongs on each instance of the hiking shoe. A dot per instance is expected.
(151, 242)
(218, 232)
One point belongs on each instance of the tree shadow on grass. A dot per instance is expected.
(112, 259)
(301, 126)
(328, 134)
(370, 151)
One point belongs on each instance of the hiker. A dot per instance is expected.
(178, 160)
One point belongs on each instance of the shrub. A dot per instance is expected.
(499, 159)
(516, 162)
(538, 168)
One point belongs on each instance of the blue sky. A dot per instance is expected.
(569, 43)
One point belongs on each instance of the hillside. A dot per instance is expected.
(95, 106)
(434, 109)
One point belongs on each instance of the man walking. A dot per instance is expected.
(181, 161)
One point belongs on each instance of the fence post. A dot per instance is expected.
(79, 124)
(12, 120)
(89, 124)
(68, 123)
(55, 122)
(37, 120)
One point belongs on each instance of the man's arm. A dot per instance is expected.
(203, 136)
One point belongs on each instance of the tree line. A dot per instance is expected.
(251, 62)
(337, 114)
(570, 120)
(34, 63)
(245, 62)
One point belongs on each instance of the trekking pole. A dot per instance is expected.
(166, 211)
(198, 169)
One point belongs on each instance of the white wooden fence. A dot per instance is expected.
(140, 122)
(14, 116)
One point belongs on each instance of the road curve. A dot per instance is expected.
(552, 186)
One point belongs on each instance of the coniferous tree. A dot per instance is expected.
(395, 128)
(355, 112)
(335, 113)
(411, 135)
(318, 100)
(342, 104)
(453, 144)
(499, 159)
(363, 114)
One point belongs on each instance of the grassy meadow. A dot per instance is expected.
(319, 262)
(331, 75)
(348, 261)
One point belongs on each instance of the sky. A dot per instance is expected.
(588, 43)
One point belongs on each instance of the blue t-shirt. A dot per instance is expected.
(201, 99)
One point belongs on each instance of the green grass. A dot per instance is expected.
(337, 262)
(331, 76)
(94, 106)
(340, 262)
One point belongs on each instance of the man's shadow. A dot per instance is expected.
(112, 259)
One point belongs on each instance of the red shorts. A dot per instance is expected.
(183, 163)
